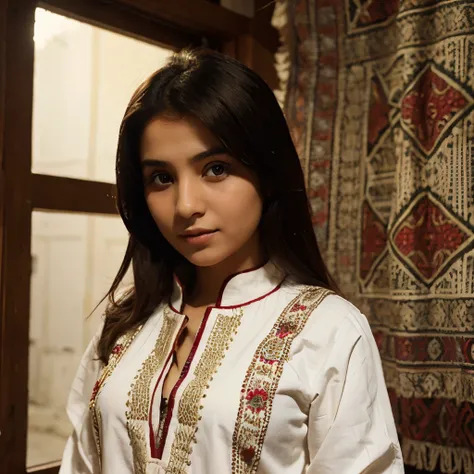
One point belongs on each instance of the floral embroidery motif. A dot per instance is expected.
(257, 400)
(117, 349)
(286, 329)
(262, 378)
(248, 454)
(190, 404)
(116, 355)
(138, 403)
(298, 307)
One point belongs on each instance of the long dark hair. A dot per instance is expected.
(239, 108)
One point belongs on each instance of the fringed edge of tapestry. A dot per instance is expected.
(282, 56)
(426, 456)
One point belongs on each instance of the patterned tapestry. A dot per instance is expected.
(380, 99)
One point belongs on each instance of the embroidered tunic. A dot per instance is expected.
(281, 379)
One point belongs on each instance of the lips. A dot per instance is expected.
(199, 237)
(197, 233)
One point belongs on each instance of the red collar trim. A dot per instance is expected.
(253, 285)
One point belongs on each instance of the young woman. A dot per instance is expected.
(232, 353)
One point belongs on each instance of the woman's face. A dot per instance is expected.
(204, 202)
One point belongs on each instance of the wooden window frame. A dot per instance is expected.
(173, 24)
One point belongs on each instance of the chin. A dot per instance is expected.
(206, 258)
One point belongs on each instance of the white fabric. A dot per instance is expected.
(330, 415)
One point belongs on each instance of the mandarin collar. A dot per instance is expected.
(239, 289)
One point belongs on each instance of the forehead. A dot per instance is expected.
(169, 138)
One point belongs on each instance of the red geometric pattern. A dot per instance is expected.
(401, 80)
(456, 349)
(369, 12)
(430, 106)
(435, 420)
(428, 237)
(379, 109)
(374, 240)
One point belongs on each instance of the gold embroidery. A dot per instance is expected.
(262, 378)
(189, 409)
(138, 403)
(123, 343)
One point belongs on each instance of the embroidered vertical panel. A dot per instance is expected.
(138, 403)
(262, 378)
(189, 409)
(123, 343)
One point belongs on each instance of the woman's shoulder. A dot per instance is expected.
(330, 314)
(337, 313)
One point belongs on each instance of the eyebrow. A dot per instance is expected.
(218, 150)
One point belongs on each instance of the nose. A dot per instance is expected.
(189, 199)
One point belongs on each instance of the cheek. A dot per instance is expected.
(161, 211)
(242, 209)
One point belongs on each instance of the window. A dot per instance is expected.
(60, 237)
(74, 260)
(82, 83)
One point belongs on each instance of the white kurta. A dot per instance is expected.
(282, 379)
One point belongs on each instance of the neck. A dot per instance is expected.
(209, 280)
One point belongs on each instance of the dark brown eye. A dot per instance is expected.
(217, 170)
(161, 178)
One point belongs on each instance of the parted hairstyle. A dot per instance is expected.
(239, 108)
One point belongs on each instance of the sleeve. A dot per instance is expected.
(351, 429)
(80, 455)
